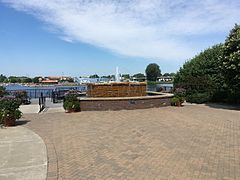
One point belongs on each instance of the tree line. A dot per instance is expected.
(152, 72)
(214, 74)
(16, 79)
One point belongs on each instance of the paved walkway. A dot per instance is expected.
(34, 108)
(29, 109)
(22, 155)
(193, 142)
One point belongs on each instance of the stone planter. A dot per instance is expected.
(9, 121)
(178, 104)
(72, 110)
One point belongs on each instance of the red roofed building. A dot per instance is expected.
(47, 81)
(54, 79)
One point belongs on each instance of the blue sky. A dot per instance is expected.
(76, 37)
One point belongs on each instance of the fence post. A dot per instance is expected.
(42, 102)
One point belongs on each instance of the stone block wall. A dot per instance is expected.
(101, 104)
(121, 89)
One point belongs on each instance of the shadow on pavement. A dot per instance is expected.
(224, 106)
(21, 122)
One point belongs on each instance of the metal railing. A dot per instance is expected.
(42, 102)
(35, 93)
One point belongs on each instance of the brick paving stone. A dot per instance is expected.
(193, 142)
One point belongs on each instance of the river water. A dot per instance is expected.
(35, 91)
(157, 87)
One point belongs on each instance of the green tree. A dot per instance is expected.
(94, 76)
(202, 78)
(14, 79)
(126, 76)
(36, 79)
(6, 81)
(2, 78)
(166, 74)
(108, 76)
(139, 75)
(231, 61)
(152, 72)
(26, 80)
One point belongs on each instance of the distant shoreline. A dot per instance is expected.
(37, 85)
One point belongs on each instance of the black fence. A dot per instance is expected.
(35, 93)
(42, 102)
(48, 92)
(58, 96)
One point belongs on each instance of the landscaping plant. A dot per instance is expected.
(9, 110)
(214, 74)
(2, 91)
(179, 97)
(22, 95)
(71, 102)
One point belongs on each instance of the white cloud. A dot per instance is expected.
(156, 29)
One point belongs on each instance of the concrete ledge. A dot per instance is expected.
(120, 103)
(153, 95)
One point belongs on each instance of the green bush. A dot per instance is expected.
(177, 101)
(198, 98)
(9, 108)
(174, 101)
(22, 95)
(213, 75)
(180, 92)
(2, 91)
(181, 99)
(71, 103)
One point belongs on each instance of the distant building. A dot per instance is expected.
(92, 80)
(59, 78)
(49, 81)
(54, 79)
(139, 79)
(165, 78)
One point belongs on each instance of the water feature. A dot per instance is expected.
(117, 79)
(122, 95)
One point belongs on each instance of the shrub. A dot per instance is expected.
(198, 98)
(181, 99)
(213, 75)
(9, 109)
(174, 101)
(177, 101)
(71, 102)
(2, 91)
(180, 92)
(22, 95)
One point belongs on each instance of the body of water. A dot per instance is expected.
(158, 87)
(35, 91)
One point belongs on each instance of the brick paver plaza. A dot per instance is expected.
(193, 142)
